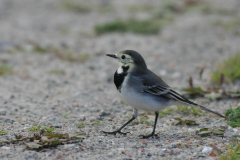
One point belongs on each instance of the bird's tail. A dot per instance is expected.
(181, 99)
(203, 108)
(206, 109)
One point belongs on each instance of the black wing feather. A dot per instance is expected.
(156, 86)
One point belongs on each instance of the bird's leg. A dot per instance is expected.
(135, 113)
(154, 127)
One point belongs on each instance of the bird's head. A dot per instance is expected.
(131, 59)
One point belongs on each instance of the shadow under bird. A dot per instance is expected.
(143, 90)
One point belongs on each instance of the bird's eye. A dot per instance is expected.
(123, 57)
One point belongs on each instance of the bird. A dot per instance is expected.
(143, 90)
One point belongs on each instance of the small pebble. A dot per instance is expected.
(121, 150)
(149, 154)
(207, 150)
(53, 119)
(191, 130)
(110, 154)
(9, 121)
(5, 147)
(230, 128)
(92, 118)
(235, 130)
(182, 156)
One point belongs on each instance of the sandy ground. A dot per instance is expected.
(46, 90)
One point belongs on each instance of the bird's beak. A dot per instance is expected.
(112, 55)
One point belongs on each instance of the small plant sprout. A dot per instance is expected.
(189, 109)
(164, 112)
(97, 123)
(5, 69)
(233, 116)
(81, 125)
(49, 129)
(35, 128)
(150, 26)
(65, 116)
(2, 132)
(143, 119)
(231, 154)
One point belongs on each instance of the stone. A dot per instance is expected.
(53, 119)
(92, 118)
(9, 121)
(230, 128)
(110, 154)
(103, 114)
(149, 154)
(207, 150)
(182, 156)
(235, 130)
(191, 130)
(120, 150)
(44, 139)
(5, 147)
(3, 140)
(3, 113)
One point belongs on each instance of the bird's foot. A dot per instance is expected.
(115, 132)
(148, 136)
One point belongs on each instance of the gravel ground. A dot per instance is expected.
(47, 90)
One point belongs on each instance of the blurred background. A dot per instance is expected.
(54, 72)
(52, 42)
(56, 45)
(166, 32)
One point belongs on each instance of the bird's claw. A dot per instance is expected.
(115, 132)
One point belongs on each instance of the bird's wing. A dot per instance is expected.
(166, 92)
(156, 86)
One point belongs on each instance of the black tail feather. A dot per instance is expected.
(186, 101)
(206, 109)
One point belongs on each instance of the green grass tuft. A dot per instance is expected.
(76, 7)
(139, 8)
(150, 26)
(56, 71)
(227, 25)
(229, 68)
(2, 132)
(38, 128)
(40, 49)
(233, 116)
(188, 110)
(97, 123)
(81, 125)
(34, 128)
(5, 69)
(231, 154)
(149, 123)
(165, 111)
(71, 57)
(65, 116)
(143, 119)
(49, 129)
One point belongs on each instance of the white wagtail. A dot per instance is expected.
(144, 90)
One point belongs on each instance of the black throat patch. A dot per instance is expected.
(119, 77)
(125, 68)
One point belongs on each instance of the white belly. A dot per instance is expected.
(142, 101)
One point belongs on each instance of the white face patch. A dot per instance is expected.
(120, 70)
